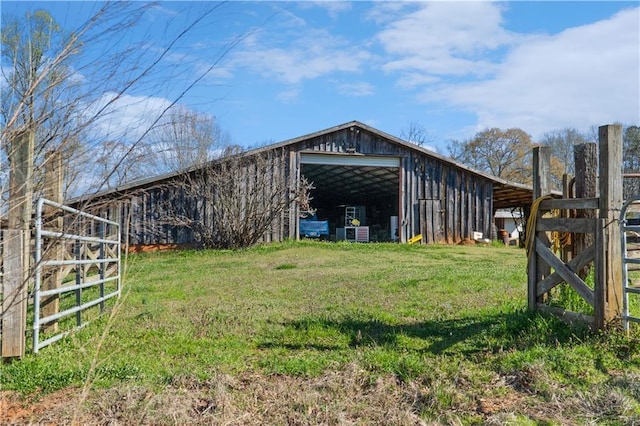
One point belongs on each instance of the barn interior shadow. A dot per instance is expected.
(471, 334)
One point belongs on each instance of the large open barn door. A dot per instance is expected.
(369, 183)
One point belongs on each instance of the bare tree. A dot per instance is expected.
(561, 143)
(73, 102)
(114, 158)
(416, 133)
(44, 92)
(235, 201)
(184, 139)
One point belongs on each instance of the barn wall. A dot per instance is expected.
(453, 202)
(169, 211)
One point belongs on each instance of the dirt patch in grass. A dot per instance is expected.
(52, 409)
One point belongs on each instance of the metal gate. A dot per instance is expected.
(630, 232)
(77, 267)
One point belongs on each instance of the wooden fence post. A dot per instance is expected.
(586, 162)
(14, 302)
(17, 249)
(54, 249)
(541, 186)
(610, 138)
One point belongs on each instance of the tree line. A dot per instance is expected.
(507, 153)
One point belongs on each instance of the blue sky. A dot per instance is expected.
(455, 68)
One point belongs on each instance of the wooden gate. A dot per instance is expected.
(546, 270)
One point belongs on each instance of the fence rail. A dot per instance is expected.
(95, 260)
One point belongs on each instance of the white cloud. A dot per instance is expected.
(441, 38)
(310, 54)
(386, 11)
(125, 118)
(289, 96)
(356, 89)
(411, 80)
(583, 76)
(333, 8)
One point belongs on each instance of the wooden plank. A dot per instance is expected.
(294, 177)
(586, 165)
(21, 184)
(423, 221)
(488, 207)
(541, 171)
(469, 211)
(14, 290)
(567, 274)
(532, 282)
(450, 209)
(571, 203)
(575, 264)
(582, 225)
(457, 207)
(402, 195)
(541, 187)
(567, 316)
(610, 146)
(567, 249)
(478, 201)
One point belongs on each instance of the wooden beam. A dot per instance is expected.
(586, 166)
(575, 264)
(569, 317)
(610, 138)
(566, 225)
(14, 302)
(571, 203)
(536, 269)
(567, 274)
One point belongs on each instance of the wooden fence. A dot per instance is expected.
(546, 269)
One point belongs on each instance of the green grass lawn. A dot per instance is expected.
(321, 333)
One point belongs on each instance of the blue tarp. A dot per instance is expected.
(312, 228)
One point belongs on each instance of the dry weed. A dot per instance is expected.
(349, 396)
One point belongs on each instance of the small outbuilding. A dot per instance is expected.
(367, 186)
